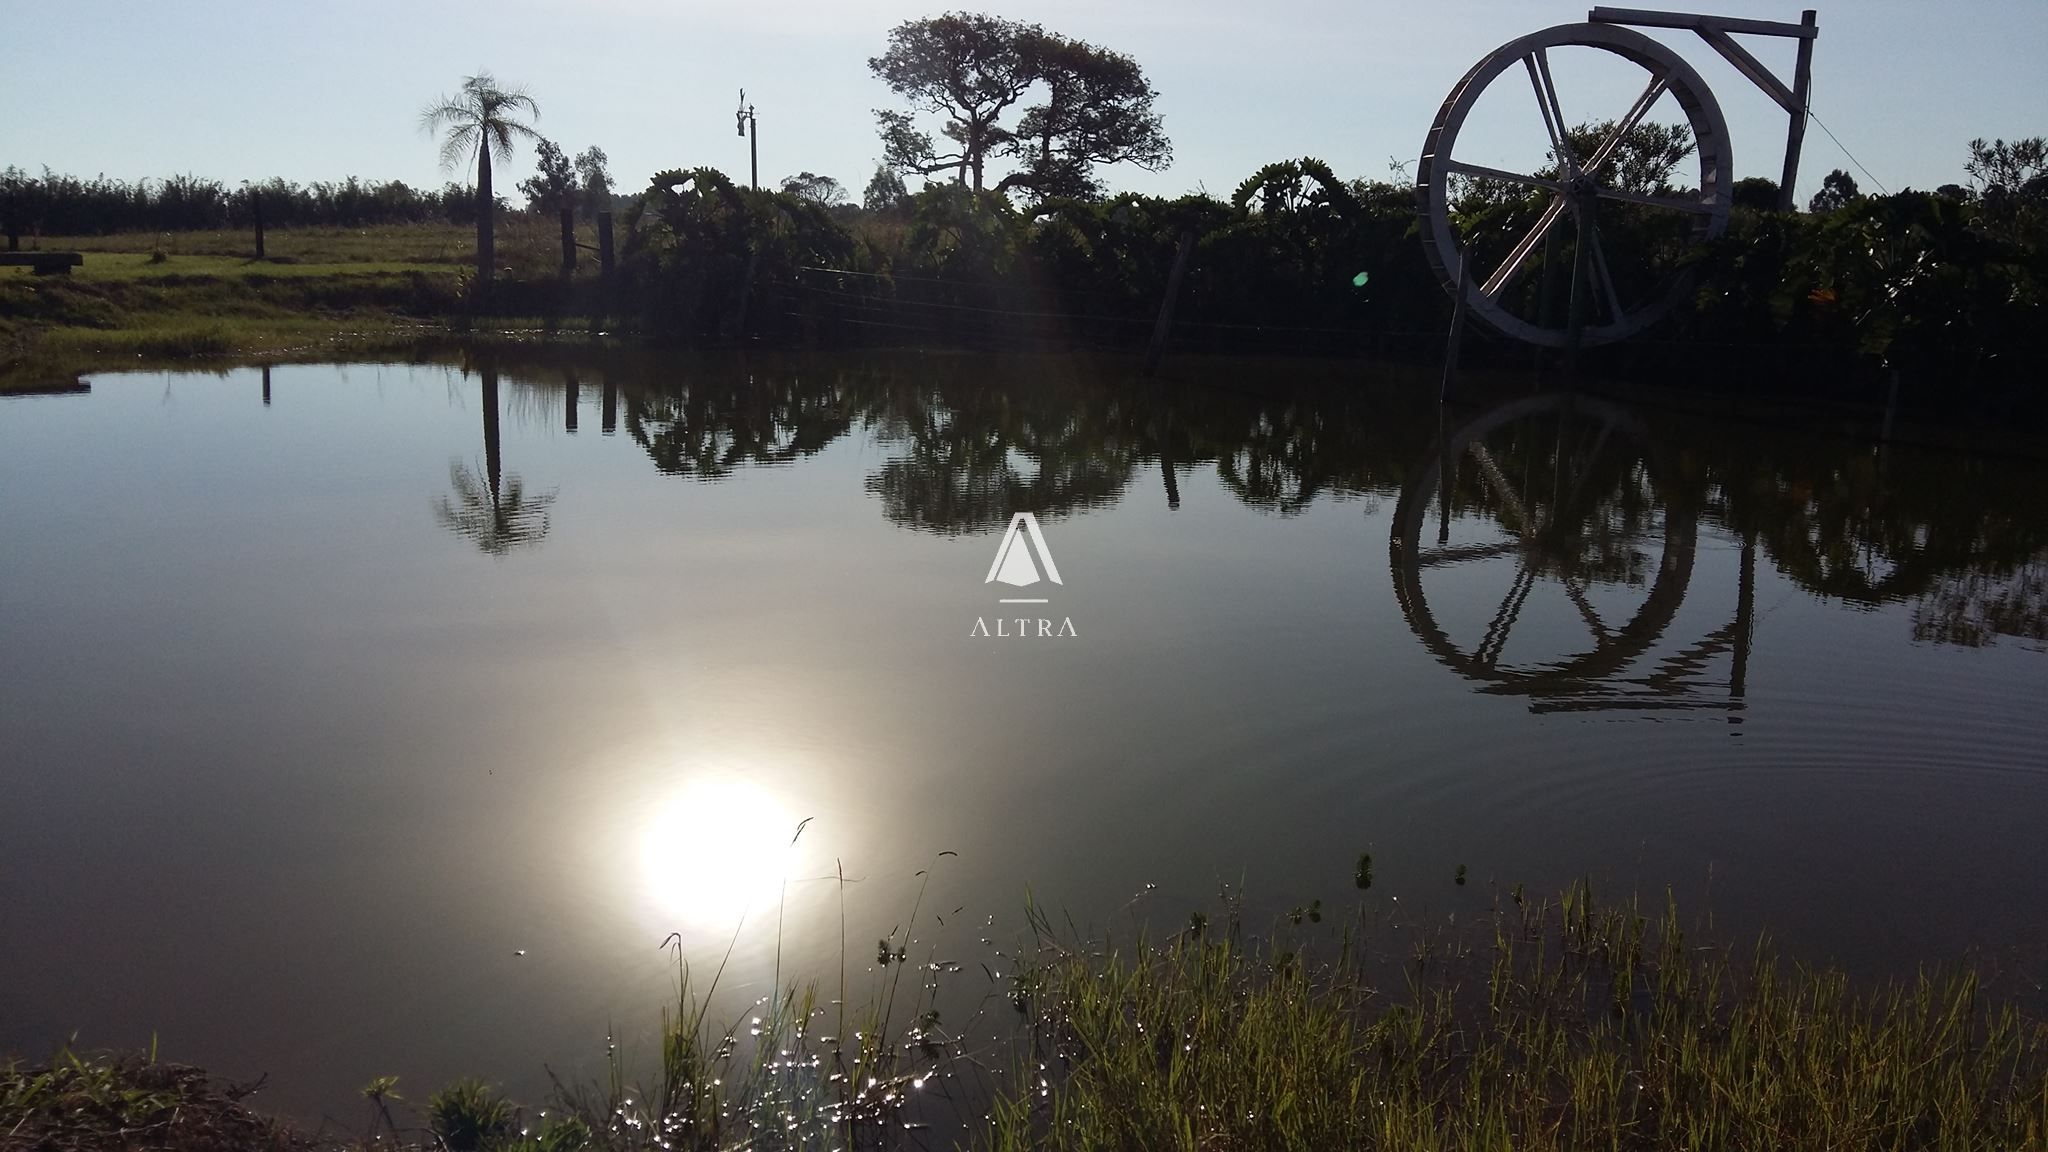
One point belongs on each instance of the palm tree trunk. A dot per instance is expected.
(493, 461)
(486, 210)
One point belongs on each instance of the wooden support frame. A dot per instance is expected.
(1719, 32)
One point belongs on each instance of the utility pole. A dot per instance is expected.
(745, 121)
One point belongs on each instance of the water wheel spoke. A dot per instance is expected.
(1503, 491)
(1520, 254)
(1497, 629)
(1585, 607)
(1460, 553)
(1538, 63)
(1464, 169)
(1659, 82)
(1688, 204)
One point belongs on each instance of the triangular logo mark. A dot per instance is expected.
(1013, 563)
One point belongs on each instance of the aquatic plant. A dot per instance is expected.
(1558, 1025)
(468, 1116)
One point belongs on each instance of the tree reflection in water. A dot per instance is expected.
(973, 440)
(495, 512)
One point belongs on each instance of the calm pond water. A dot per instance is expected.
(385, 718)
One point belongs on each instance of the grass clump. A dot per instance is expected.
(1542, 1025)
(796, 1070)
(94, 1101)
(1570, 1027)
(467, 1116)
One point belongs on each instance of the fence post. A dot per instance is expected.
(256, 208)
(1164, 325)
(604, 244)
(568, 241)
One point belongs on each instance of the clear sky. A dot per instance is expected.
(247, 89)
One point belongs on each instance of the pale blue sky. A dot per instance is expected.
(239, 89)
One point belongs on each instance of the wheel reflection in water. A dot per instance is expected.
(1557, 545)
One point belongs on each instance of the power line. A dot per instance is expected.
(1845, 151)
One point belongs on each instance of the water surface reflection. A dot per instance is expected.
(320, 764)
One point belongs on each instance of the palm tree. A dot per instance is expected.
(481, 117)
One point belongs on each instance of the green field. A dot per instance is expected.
(147, 299)
(527, 247)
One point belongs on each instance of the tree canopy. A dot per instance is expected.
(815, 188)
(552, 187)
(976, 72)
(2012, 167)
(1643, 159)
(885, 191)
(1837, 190)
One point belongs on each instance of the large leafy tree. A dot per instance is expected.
(593, 168)
(815, 188)
(552, 187)
(885, 191)
(1837, 190)
(482, 118)
(1097, 111)
(1643, 159)
(2019, 165)
(977, 72)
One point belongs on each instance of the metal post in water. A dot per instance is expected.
(610, 398)
(266, 385)
(1457, 332)
(1446, 476)
(570, 388)
(1745, 620)
(1582, 270)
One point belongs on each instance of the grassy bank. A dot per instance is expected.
(172, 299)
(1558, 1024)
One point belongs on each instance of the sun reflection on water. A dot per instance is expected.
(716, 850)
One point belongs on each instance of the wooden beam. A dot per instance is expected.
(1751, 67)
(1802, 91)
(1644, 18)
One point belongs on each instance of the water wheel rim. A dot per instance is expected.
(1433, 173)
(1651, 619)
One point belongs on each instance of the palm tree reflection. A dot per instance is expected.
(495, 512)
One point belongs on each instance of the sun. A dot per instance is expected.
(716, 850)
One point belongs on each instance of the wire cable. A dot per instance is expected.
(1845, 151)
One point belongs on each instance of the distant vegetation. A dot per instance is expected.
(1012, 238)
(53, 204)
